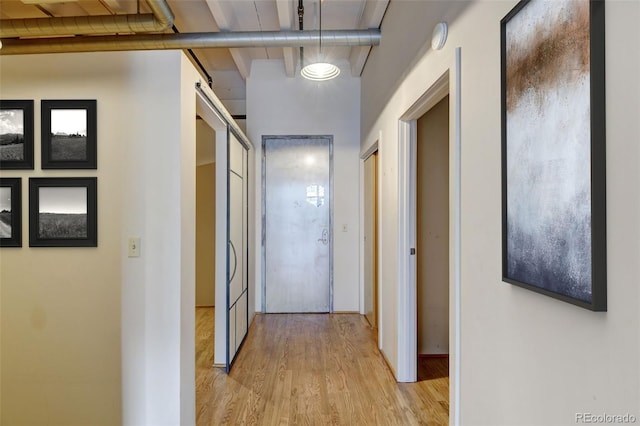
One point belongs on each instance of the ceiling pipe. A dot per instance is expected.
(159, 20)
(370, 37)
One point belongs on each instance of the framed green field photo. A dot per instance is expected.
(69, 139)
(10, 212)
(63, 212)
(16, 134)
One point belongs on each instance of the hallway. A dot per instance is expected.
(312, 369)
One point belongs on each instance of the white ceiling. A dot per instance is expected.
(229, 68)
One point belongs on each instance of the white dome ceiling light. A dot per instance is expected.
(320, 71)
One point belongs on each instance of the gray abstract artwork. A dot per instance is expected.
(548, 155)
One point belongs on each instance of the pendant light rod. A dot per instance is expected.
(320, 25)
(301, 27)
(320, 70)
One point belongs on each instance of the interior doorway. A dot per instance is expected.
(432, 240)
(205, 244)
(205, 214)
(231, 233)
(442, 80)
(371, 241)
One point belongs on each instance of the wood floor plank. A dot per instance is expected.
(313, 369)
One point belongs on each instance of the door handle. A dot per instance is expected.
(235, 261)
(325, 237)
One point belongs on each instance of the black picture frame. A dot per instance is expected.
(63, 212)
(10, 212)
(69, 134)
(16, 134)
(553, 150)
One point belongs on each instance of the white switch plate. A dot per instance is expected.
(134, 247)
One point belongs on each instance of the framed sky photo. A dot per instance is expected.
(69, 139)
(553, 150)
(16, 134)
(63, 212)
(10, 212)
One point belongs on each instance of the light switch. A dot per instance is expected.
(134, 247)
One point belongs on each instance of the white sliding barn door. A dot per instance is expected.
(238, 293)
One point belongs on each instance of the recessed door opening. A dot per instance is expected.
(371, 241)
(222, 296)
(205, 252)
(441, 83)
(432, 242)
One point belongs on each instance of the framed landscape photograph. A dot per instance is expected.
(63, 212)
(553, 150)
(16, 134)
(69, 139)
(10, 212)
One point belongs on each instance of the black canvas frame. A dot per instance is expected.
(597, 167)
(35, 184)
(15, 184)
(27, 162)
(91, 160)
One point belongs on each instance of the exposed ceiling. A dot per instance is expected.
(229, 67)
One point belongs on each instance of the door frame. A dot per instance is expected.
(263, 238)
(447, 81)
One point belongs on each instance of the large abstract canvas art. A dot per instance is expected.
(553, 150)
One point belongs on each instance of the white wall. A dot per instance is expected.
(61, 312)
(278, 105)
(91, 336)
(525, 358)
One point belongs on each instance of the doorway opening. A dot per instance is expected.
(444, 79)
(432, 242)
(205, 244)
(370, 240)
(223, 184)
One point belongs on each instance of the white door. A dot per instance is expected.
(297, 242)
(238, 290)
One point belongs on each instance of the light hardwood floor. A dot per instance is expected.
(301, 369)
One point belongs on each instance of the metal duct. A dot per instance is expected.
(369, 37)
(159, 20)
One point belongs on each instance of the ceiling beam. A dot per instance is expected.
(285, 17)
(372, 15)
(243, 62)
(222, 12)
(116, 6)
